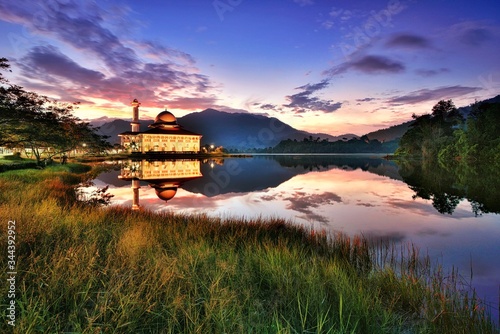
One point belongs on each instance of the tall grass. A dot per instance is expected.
(83, 269)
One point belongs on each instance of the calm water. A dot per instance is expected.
(354, 194)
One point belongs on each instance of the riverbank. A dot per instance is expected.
(85, 269)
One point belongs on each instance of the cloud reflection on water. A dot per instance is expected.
(344, 197)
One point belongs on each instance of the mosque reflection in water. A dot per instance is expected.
(165, 176)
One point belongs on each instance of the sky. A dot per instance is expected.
(323, 66)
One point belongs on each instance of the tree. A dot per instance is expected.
(34, 123)
(483, 132)
(430, 133)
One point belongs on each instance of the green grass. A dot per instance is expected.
(83, 269)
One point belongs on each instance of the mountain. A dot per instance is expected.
(230, 130)
(245, 130)
(242, 130)
(117, 126)
(390, 133)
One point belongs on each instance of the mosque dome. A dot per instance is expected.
(165, 190)
(165, 119)
(166, 194)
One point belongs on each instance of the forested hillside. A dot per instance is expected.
(445, 135)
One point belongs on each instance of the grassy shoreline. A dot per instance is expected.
(84, 269)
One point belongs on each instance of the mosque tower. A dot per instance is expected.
(135, 199)
(135, 116)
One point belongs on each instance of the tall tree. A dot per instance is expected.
(46, 128)
(430, 133)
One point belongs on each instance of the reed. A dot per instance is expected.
(83, 269)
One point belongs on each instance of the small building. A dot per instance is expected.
(165, 136)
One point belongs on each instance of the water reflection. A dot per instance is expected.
(449, 215)
(264, 172)
(447, 186)
(164, 176)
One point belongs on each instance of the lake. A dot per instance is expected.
(453, 218)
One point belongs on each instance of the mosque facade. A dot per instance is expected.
(165, 136)
(164, 176)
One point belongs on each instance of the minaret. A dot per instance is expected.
(135, 200)
(135, 116)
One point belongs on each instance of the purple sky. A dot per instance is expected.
(321, 66)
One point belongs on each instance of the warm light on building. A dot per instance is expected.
(165, 176)
(165, 136)
(160, 169)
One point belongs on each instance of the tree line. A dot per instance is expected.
(311, 145)
(446, 136)
(45, 128)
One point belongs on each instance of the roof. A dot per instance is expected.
(128, 133)
(170, 131)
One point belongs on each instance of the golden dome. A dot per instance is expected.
(165, 119)
(166, 193)
(165, 190)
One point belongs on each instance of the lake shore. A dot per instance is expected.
(84, 268)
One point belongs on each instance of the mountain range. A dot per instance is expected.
(245, 130)
(230, 130)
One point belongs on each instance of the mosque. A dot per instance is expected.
(164, 176)
(165, 136)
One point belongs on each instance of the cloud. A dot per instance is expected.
(419, 208)
(49, 60)
(128, 68)
(368, 205)
(409, 41)
(301, 202)
(303, 101)
(474, 33)
(231, 109)
(311, 88)
(72, 82)
(268, 106)
(475, 36)
(430, 73)
(437, 94)
(269, 198)
(377, 64)
(191, 102)
(369, 65)
(366, 99)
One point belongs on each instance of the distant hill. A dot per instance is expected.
(247, 131)
(397, 131)
(465, 111)
(242, 130)
(390, 133)
(117, 126)
(230, 130)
